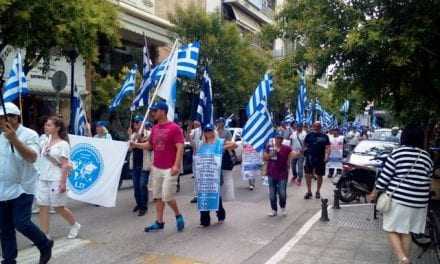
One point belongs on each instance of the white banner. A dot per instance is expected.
(251, 163)
(97, 165)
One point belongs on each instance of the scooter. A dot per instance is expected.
(358, 181)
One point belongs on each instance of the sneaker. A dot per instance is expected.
(142, 212)
(298, 182)
(180, 223)
(283, 212)
(46, 254)
(74, 230)
(308, 196)
(251, 187)
(154, 227)
(193, 200)
(135, 209)
(273, 213)
(317, 195)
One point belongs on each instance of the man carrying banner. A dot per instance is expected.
(166, 141)
(208, 175)
(18, 151)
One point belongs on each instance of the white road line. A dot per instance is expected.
(62, 246)
(281, 254)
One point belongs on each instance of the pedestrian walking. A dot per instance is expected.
(297, 145)
(228, 163)
(334, 163)
(54, 170)
(406, 177)
(19, 149)
(278, 157)
(102, 131)
(210, 140)
(166, 142)
(140, 175)
(317, 150)
(195, 138)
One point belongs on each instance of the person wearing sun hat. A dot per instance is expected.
(19, 149)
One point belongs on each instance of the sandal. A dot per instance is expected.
(404, 260)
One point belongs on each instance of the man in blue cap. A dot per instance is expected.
(19, 150)
(166, 141)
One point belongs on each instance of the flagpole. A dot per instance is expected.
(157, 86)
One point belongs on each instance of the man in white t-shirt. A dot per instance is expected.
(297, 145)
(336, 152)
(195, 137)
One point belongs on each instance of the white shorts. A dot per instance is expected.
(164, 184)
(48, 194)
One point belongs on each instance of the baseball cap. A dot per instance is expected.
(11, 109)
(208, 128)
(279, 134)
(138, 119)
(148, 124)
(102, 123)
(160, 105)
(220, 120)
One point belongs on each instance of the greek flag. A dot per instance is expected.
(167, 89)
(328, 121)
(17, 83)
(258, 129)
(301, 103)
(205, 109)
(345, 106)
(187, 60)
(146, 84)
(127, 87)
(289, 118)
(318, 106)
(261, 94)
(78, 115)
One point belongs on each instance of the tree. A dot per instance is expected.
(235, 65)
(44, 27)
(386, 50)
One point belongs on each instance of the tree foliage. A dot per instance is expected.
(386, 50)
(235, 65)
(43, 27)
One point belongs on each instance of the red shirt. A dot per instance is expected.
(164, 138)
(278, 169)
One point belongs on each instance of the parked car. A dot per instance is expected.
(236, 137)
(383, 134)
(366, 150)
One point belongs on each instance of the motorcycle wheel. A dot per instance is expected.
(345, 192)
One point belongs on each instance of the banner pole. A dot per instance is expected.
(156, 89)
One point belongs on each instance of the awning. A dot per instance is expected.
(245, 20)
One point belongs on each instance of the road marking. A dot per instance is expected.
(62, 246)
(281, 254)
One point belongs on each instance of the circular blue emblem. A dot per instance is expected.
(87, 167)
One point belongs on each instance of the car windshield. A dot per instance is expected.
(385, 135)
(373, 147)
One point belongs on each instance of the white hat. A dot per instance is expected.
(11, 109)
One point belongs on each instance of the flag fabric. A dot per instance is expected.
(127, 87)
(187, 60)
(16, 83)
(261, 94)
(301, 104)
(167, 89)
(258, 129)
(328, 120)
(205, 109)
(78, 115)
(289, 118)
(146, 84)
(345, 106)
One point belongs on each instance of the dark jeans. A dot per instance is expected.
(298, 167)
(277, 189)
(205, 218)
(140, 185)
(16, 215)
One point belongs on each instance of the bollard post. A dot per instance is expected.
(336, 200)
(324, 211)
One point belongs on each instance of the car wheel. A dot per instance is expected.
(345, 192)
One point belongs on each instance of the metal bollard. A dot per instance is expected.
(336, 200)
(324, 211)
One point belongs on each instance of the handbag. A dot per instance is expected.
(383, 203)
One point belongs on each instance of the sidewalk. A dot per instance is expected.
(351, 236)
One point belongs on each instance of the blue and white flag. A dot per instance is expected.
(17, 83)
(345, 106)
(289, 118)
(78, 115)
(261, 94)
(187, 61)
(127, 87)
(167, 89)
(318, 106)
(205, 109)
(258, 129)
(301, 103)
(146, 84)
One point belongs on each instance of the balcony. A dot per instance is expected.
(262, 14)
(144, 5)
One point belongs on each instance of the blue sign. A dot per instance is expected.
(87, 167)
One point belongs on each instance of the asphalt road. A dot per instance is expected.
(115, 235)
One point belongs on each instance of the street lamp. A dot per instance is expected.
(71, 54)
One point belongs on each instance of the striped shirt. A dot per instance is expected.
(414, 191)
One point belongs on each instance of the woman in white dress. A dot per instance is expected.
(54, 170)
